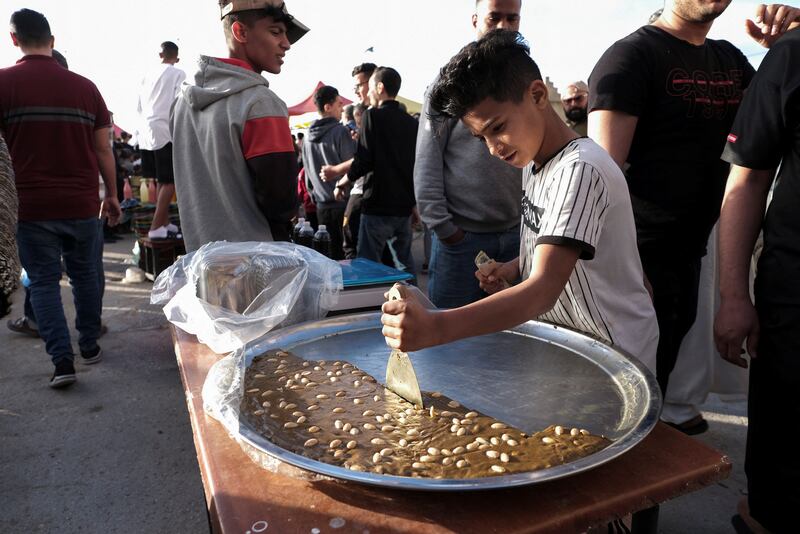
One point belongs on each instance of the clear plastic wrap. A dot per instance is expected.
(230, 293)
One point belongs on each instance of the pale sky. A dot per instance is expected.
(114, 42)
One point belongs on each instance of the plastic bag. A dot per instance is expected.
(230, 293)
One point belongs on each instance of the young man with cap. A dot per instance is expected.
(575, 102)
(235, 164)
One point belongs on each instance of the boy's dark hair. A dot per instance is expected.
(364, 68)
(325, 95)
(31, 28)
(498, 66)
(169, 49)
(390, 78)
(250, 17)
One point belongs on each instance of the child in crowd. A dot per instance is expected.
(579, 265)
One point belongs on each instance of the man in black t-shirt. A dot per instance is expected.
(766, 134)
(385, 158)
(662, 101)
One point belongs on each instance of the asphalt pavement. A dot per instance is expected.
(114, 452)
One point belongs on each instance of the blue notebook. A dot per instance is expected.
(363, 272)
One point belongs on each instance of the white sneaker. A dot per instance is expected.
(172, 228)
(158, 233)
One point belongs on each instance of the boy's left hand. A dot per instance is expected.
(408, 324)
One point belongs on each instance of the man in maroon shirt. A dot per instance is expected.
(59, 142)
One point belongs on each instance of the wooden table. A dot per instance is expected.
(242, 497)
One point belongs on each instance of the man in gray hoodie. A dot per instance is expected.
(235, 165)
(328, 143)
(469, 199)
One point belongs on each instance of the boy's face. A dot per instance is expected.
(266, 43)
(513, 132)
(337, 107)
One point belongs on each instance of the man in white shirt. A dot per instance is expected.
(157, 92)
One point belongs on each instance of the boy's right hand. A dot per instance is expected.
(497, 276)
(408, 323)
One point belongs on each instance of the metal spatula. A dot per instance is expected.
(400, 375)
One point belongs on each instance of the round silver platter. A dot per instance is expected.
(530, 376)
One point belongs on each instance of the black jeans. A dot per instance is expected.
(773, 470)
(350, 235)
(332, 218)
(675, 284)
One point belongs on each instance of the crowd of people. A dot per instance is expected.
(597, 214)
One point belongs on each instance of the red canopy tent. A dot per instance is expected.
(308, 105)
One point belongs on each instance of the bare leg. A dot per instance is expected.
(163, 199)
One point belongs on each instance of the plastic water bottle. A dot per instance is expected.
(322, 241)
(297, 228)
(306, 235)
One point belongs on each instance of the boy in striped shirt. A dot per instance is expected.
(579, 265)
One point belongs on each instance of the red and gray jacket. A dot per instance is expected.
(233, 156)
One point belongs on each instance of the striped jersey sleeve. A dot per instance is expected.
(575, 203)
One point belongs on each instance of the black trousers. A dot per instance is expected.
(332, 218)
(675, 284)
(350, 236)
(771, 462)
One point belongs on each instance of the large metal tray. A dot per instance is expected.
(531, 376)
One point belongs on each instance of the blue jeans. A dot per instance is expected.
(452, 281)
(375, 230)
(101, 278)
(41, 247)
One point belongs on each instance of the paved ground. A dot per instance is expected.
(114, 453)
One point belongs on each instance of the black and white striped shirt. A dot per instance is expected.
(579, 198)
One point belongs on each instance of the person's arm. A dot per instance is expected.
(364, 160)
(758, 137)
(771, 22)
(108, 171)
(269, 152)
(739, 224)
(274, 183)
(409, 325)
(432, 138)
(329, 173)
(618, 95)
(613, 130)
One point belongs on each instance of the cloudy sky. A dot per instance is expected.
(113, 42)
